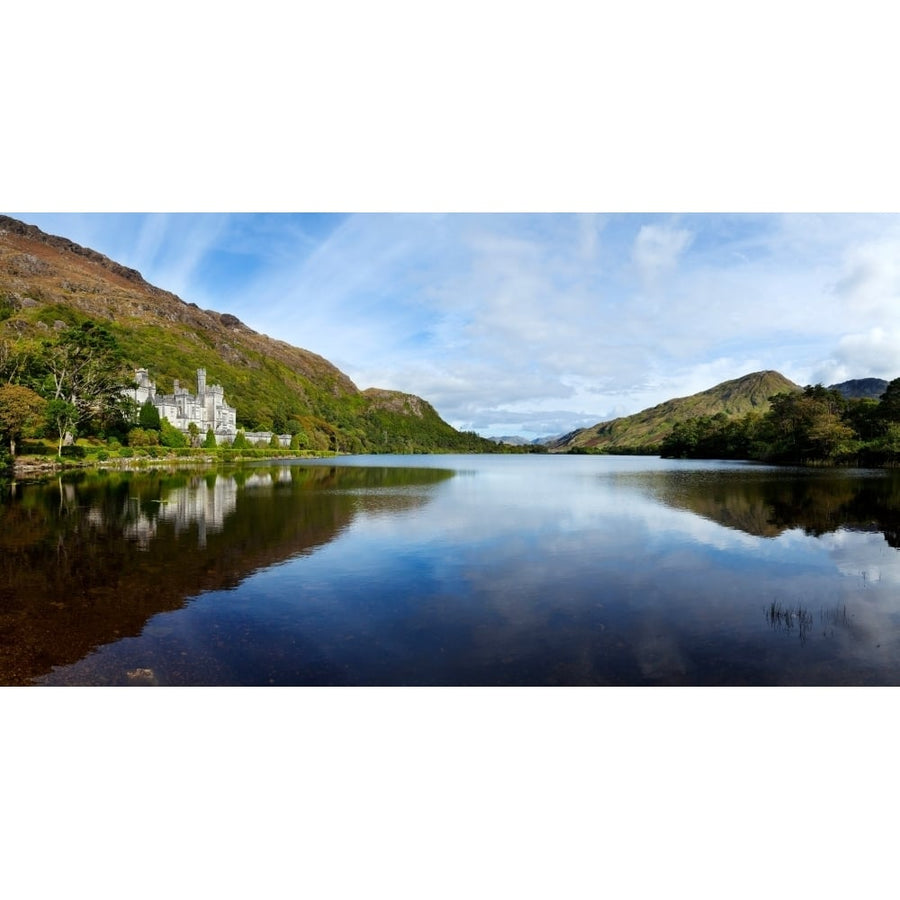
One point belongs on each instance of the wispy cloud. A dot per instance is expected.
(657, 249)
(547, 322)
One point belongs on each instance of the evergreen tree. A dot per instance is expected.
(149, 416)
(889, 408)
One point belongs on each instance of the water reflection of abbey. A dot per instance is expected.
(201, 503)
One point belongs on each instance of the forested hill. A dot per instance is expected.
(861, 388)
(644, 431)
(49, 284)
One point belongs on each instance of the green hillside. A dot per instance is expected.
(48, 283)
(644, 431)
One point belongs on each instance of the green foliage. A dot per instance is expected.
(62, 416)
(240, 441)
(209, 442)
(73, 451)
(21, 411)
(889, 408)
(170, 436)
(649, 428)
(7, 307)
(84, 377)
(299, 440)
(816, 425)
(149, 416)
(140, 437)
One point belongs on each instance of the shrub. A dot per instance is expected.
(170, 436)
(139, 437)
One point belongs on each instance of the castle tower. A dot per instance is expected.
(201, 385)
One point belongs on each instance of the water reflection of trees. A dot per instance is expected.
(89, 558)
(766, 503)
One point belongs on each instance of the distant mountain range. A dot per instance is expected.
(48, 283)
(735, 398)
(861, 388)
(649, 427)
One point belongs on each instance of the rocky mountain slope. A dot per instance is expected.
(48, 283)
(861, 388)
(645, 430)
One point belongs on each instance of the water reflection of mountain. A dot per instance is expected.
(88, 559)
(766, 503)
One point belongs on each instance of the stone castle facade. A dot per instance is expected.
(207, 409)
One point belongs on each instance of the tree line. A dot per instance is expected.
(817, 425)
(68, 385)
(72, 385)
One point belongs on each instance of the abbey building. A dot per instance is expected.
(207, 408)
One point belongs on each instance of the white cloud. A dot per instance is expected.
(875, 353)
(870, 282)
(657, 249)
(531, 319)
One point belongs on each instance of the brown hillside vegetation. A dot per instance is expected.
(49, 283)
(645, 430)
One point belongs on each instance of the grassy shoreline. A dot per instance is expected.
(39, 458)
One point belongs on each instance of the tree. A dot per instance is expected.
(85, 370)
(240, 441)
(149, 416)
(807, 426)
(194, 434)
(62, 416)
(209, 442)
(12, 360)
(20, 409)
(889, 408)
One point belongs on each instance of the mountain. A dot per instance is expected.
(861, 388)
(645, 430)
(48, 283)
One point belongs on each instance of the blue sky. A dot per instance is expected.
(536, 324)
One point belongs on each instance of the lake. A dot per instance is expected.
(453, 570)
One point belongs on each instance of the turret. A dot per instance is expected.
(201, 384)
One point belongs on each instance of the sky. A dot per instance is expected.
(508, 323)
(536, 324)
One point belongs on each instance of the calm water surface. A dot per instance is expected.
(454, 570)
